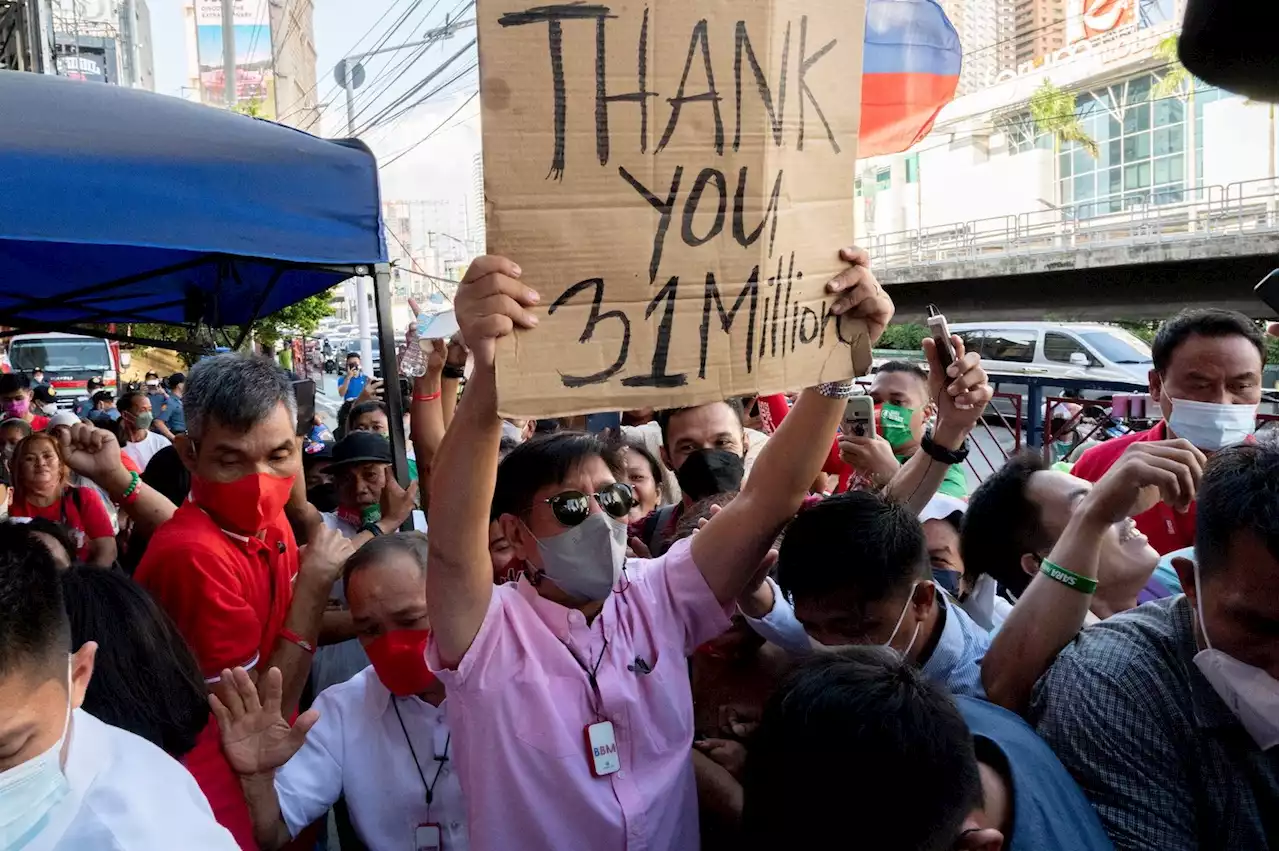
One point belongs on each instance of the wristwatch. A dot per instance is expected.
(454, 372)
(372, 528)
(942, 455)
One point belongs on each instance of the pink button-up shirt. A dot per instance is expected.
(519, 705)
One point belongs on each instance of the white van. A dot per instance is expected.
(1078, 350)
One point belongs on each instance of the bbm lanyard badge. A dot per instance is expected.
(426, 836)
(602, 743)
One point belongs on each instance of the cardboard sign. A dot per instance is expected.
(675, 178)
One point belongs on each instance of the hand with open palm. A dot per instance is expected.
(255, 736)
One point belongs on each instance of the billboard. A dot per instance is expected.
(82, 66)
(254, 72)
(1090, 18)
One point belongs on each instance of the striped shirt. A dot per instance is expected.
(1164, 761)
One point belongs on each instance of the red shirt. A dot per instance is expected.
(1166, 529)
(39, 423)
(228, 596)
(86, 523)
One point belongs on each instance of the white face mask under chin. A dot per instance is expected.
(1210, 425)
(30, 791)
(897, 626)
(1250, 693)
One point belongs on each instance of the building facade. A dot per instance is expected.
(475, 219)
(1154, 142)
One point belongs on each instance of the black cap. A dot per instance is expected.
(176, 379)
(94, 381)
(361, 447)
(317, 450)
(43, 394)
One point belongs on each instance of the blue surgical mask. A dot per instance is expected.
(30, 791)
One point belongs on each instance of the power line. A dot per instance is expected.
(461, 106)
(350, 51)
(377, 87)
(383, 117)
(417, 270)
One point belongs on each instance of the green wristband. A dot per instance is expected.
(1074, 581)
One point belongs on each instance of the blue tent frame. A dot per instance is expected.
(123, 206)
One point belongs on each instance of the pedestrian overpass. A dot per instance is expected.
(1145, 262)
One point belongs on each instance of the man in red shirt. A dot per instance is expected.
(226, 566)
(1207, 379)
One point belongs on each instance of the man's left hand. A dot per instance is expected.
(961, 391)
(859, 294)
(92, 452)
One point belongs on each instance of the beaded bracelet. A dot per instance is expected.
(131, 493)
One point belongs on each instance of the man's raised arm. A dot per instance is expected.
(489, 304)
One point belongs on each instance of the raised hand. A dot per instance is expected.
(255, 736)
(961, 390)
(397, 502)
(1147, 473)
(491, 303)
(92, 452)
(859, 294)
(324, 556)
(872, 456)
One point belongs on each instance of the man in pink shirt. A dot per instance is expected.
(582, 649)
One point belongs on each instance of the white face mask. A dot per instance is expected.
(1250, 693)
(1211, 426)
(586, 560)
(30, 791)
(911, 595)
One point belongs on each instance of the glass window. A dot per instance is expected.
(1081, 160)
(1060, 347)
(883, 180)
(1137, 147)
(1166, 170)
(1168, 111)
(972, 341)
(1113, 181)
(1082, 187)
(60, 354)
(1064, 164)
(913, 168)
(1015, 346)
(1137, 176)
(1118, 346)
(1137, 118)
(1167, 140)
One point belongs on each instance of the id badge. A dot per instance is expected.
(602, 749)
(426, 837)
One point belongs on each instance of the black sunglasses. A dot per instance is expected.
(573, 507)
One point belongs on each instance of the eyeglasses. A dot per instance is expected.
(573, 507)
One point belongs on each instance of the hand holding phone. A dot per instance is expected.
(859, 417)
(937, 324)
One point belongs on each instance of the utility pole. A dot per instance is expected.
(229, 51)
(131, 42)
(350, 74)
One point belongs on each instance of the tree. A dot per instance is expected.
(1053, 111)
(301, 317)
(1177, 80)
(251, 108)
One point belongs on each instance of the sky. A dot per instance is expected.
(437, 169)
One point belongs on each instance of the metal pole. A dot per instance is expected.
(362, 288)
(390, 374)
(229, 51)
(131, 41)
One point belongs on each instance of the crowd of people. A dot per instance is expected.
(731, 625)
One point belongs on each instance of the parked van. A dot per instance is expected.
(68, 361)
(1048, 350)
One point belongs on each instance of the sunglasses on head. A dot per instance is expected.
(573, 507)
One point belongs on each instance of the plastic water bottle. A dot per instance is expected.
(413, 361)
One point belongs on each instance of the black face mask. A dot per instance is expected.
(708, 472)
(949, 580)
(324, 496)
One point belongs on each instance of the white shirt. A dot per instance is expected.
(144, 450)
(127, 795)
(357, 750)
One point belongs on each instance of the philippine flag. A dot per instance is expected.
(910, 69)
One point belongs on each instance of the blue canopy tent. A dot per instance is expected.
(123, 206)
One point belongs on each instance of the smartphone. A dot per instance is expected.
(937, 324)
(305, 393)
(859, 417)
(1268, 291)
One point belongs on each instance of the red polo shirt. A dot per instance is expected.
(1166, 529)
(228, 596)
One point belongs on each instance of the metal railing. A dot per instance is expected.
(1239, 209)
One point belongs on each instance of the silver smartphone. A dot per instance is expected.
(859, 417)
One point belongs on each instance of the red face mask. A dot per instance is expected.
(875, 418)
(399, 659)
(246, 505)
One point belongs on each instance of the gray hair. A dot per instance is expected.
(237, 391)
